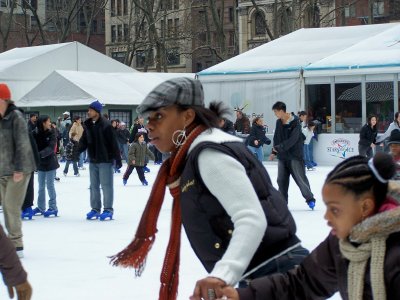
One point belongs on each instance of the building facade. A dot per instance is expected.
(40, 22)
(149, 37)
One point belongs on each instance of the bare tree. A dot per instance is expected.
(6, 23)
(90, 10)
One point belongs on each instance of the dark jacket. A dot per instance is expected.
(138, 128)
(100, 141)
(123, 136)
(46, 142)
(15, 148)
(367, 135)
(228, 127)
(323, 273)
(242, 125)
(10, 265)
(207, 224)
(288, 140)
(258, 132)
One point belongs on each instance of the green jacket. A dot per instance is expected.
(137, 153)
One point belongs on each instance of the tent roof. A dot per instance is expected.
(306, 47)
(73, 88)
(35, 63)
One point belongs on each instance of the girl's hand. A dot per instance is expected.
(205, 285)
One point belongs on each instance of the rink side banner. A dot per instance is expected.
(332, 148)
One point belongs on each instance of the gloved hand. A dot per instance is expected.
(23, 291)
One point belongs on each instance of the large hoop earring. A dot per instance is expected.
(179, 137)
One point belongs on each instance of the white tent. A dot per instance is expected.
(274, 71)
(73, 88)
(23, 68)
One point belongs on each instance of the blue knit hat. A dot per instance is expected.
(96, 105)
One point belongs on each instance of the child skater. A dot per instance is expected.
(360, 258)
(308, 132)
(137, 158)
(72, 154)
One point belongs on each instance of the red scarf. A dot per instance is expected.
(134, 255)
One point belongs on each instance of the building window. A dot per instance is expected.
(103, 26)
(125, 7)
(119, 7)
(112, 8)
(119, 34)
(162, 24)
(350, 11)
(120, 56)
(113, 33)
(173, 57)
(231, 37)
(231, 14)
(170, 28)
(123, 115)
(81, 113)
(176, 27)
(126, 32)
(94, 26)
(34, 21)
(144, 58)
(176, 4)
(348, 107)
(380, 99)
(259, 23)
(379, 8)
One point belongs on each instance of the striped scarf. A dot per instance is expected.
(134, 255)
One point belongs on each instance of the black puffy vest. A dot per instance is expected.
(207, 224)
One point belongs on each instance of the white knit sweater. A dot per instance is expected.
(226, 179)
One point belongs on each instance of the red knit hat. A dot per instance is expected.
(5, 93)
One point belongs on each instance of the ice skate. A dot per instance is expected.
(106, 214)
(93, 215)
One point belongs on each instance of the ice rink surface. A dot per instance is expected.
(67, 257)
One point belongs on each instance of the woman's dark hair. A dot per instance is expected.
(76, 118)
(42, 119)
(356, 176)
(396, 115)
(302, 113)
(138, 135)
(255, 120)
(209, 117)
(370, 118)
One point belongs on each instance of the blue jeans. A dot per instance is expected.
(259, 153)
(101, 174)
(311, 150)
(46, 179)
(123, 148)
(74, 165)
(307, 158)
(295, 168)
(282, 264)
(82, 157)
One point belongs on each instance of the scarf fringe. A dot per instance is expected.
(134, 255)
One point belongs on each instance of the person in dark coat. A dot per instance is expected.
(288, 147)
(257, 138)
(139, 127)
(368, 134)
(242, 123)
(360, 258)
(46, 140)
(222, 195)
(100, 140)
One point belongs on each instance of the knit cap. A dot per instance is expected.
(5, 93)
(394, 137)
(96, 105)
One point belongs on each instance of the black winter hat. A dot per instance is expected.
(394, 137)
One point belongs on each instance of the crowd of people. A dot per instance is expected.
(239, 226)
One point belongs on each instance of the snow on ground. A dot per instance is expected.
(67, 257)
